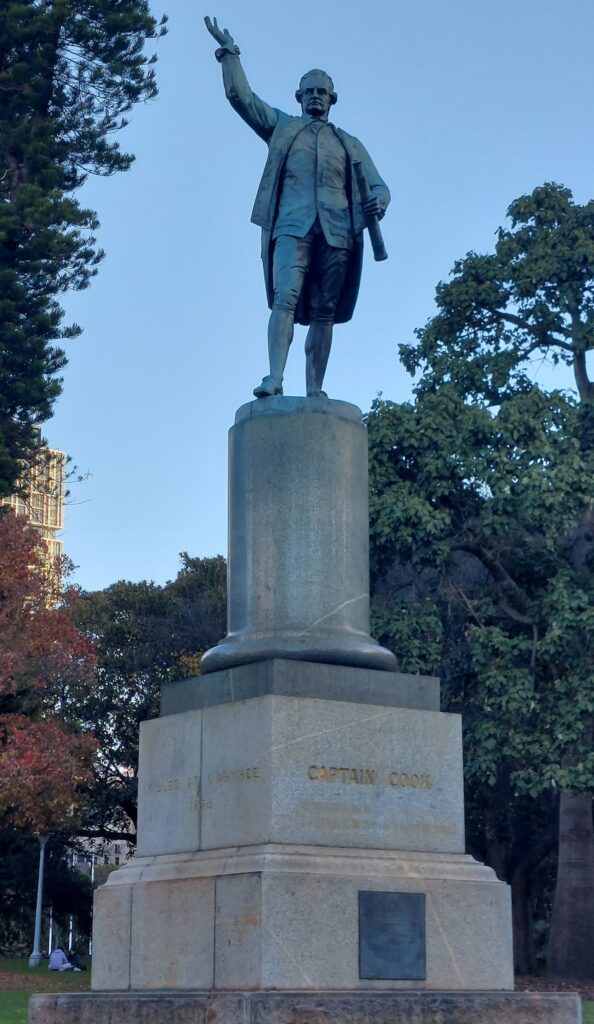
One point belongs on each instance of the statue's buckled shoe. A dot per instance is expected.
(269, 386)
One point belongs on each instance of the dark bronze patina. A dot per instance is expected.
(319, 190)
(392, 942)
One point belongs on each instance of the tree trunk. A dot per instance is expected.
(524, 954)
(571, 940)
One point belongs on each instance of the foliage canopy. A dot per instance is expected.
(70, 70)
(482, 498)
(44, 767)
(146, 636)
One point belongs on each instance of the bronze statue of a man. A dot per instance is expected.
(311, 212)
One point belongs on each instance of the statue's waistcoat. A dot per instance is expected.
(287, 129)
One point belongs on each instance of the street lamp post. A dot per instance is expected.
(35, 958)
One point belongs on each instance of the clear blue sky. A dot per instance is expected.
(463, 105)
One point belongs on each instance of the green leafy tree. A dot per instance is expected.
(145, 636)
(484, 491)
(70, 70)
(429, 594)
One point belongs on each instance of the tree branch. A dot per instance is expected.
(524, 620)
(108, 834)
(582, 380)
(546, 339)
(580, 370)
(509, 586)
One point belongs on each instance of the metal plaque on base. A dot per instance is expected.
(392, 936)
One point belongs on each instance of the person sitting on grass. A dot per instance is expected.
(58, 961)
(74, 959)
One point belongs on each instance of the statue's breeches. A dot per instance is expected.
(309, 263)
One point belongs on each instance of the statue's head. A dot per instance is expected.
(316, 93)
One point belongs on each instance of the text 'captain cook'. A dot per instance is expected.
(311, 212)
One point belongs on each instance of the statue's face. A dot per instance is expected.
(316, 97)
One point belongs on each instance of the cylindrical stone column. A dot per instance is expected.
(298, 537)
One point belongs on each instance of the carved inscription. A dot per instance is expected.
(414, 781)
(356, 776)
(235, 775)
(191, 782)
(188, 787)
(164, 786)
(368, 777)
(205, 804)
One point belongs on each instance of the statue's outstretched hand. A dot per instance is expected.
(222, 35)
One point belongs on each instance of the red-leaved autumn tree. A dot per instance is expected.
(44, 767)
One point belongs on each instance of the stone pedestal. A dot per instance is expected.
(279, 769)
(301, 822)
(269, 824)
(289, 917)
(298, 537)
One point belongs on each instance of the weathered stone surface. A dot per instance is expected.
(288, 770)
(302, 860)
(298, 537)
(416, 1008)
(308, 1008)
(172, 935)
(294, 770)
(288, 917)
(310, 933)
(239, 932)
(169, 784)
(42, 1009)
(288, 678)
(236, 774)
(112, 918)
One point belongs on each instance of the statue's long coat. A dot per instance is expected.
(279, 130)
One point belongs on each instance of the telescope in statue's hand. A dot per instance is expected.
(375, 233)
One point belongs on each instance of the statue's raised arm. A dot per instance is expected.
(259, 115)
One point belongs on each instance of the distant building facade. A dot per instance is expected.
(40, 497)
(92, 852)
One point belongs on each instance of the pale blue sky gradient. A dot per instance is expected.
(463, 105)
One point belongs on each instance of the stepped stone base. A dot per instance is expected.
(307, 1008)
(288, 918)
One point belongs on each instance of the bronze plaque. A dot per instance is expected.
(392, 942)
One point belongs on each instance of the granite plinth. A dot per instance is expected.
(298, 584)
(287, 917)
(287, 678)
(307, 1008)
(297, 770)
(169, 813)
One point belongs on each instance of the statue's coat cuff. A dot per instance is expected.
(227, 51)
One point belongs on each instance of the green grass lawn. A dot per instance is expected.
(18, 981)
(18, 965)
(588, 1011)
(13, 1007)
(39, 979)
